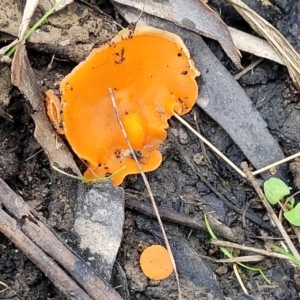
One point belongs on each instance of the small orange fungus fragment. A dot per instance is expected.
(156, 263)
(152, 76)
(53, 110)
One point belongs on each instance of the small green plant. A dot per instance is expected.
(230, 255)
(275, 191)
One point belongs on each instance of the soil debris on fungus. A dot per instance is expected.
(156, 263)
(152, 76)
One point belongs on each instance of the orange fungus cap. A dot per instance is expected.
(152, 76)
(156, 263)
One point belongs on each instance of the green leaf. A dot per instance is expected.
(230, 255)
(293, 215)
(287, 254)
(275, 189)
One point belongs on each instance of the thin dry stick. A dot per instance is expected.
(111, 93)
(242, 259)
(209, 144)
(249, 68)
(250, 249)
(276, 163)
(8, 288)
(237, 274)
(267, 205)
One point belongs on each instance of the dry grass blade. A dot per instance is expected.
(209, 144)
(282, 161)
(148, 189)
(254, 45)
(249, 68)
(242, 259)
(284, 49)
(237, 274)
(27, 14)
(250, 249)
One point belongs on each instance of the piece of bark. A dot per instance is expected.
(222, 97)
(194, 15)
(71, 33)
(99, 220)
(5, 85)
(27, 221)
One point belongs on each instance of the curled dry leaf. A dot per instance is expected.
(254, 45)
(23, 77)
(284, 49)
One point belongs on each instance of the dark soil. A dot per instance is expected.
(25, 168)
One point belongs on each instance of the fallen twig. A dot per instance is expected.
(177, 218)
(209, 144)
(250, 249)
(242, 259)
(24, 228)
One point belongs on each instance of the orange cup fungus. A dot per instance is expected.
(156, 263)
(152, 76)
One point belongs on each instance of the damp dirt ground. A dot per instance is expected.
(175, 185)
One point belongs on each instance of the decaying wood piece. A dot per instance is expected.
(10, 228)
(284, 49)
(40, 244)
(194, 222)
(71, 33)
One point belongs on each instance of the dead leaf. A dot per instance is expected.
(254, 45)
(194, 15)
(27, 14)
(23, 77)
(284, 49)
